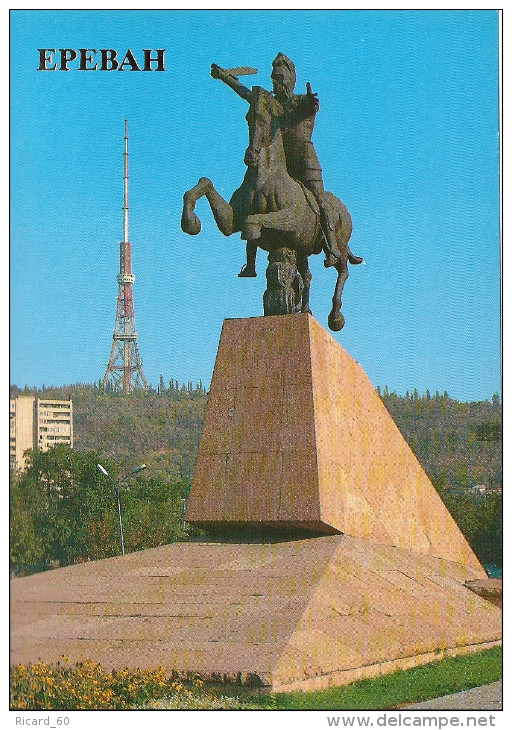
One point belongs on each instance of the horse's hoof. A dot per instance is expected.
(330, 260)
(190, 223)
(247, 272)
(336, 321)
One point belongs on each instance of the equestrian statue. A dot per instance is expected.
(281, 205)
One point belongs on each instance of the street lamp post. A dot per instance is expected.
(105, 473)
(183, 514)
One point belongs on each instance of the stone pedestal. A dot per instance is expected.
(295, 437)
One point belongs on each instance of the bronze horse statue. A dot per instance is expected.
(277, 213)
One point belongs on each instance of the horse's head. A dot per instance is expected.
(263, 125)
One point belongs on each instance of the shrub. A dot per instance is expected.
(87, 686)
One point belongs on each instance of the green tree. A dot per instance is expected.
(152, 513)
(59, 500)
(63, 509)
(24, 545)
(488, 540)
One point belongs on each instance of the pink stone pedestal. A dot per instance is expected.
(295, 436)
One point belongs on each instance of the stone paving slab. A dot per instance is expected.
(489, 588)
(487, 697)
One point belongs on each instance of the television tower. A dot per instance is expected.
(124, 369)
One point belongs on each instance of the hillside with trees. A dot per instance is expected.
(460, 447)
(161, 428)
(458, 444)
(63, 509)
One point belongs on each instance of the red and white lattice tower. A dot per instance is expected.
(124, 369)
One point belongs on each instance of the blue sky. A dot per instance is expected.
(407, 135)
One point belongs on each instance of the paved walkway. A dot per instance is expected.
(488, 697)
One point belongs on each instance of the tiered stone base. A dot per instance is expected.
(281, 616)
(295, 441)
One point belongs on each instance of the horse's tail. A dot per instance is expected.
(354, 259)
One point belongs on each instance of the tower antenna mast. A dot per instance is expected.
(124, 369)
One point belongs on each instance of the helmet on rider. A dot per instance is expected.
(283, 76)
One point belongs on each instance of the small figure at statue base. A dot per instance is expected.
(284, 283)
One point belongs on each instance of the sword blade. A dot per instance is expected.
(241, 71)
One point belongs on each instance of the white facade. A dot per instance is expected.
(38, 423)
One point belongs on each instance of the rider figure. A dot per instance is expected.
(297, 122)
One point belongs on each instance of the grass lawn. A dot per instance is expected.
(453, 674)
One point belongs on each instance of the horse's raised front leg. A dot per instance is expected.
(283, 220)
(222, 211)
(336, 320)
(190, 223)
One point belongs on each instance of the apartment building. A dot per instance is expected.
(38, 423)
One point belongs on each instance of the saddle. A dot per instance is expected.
(313, 204)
